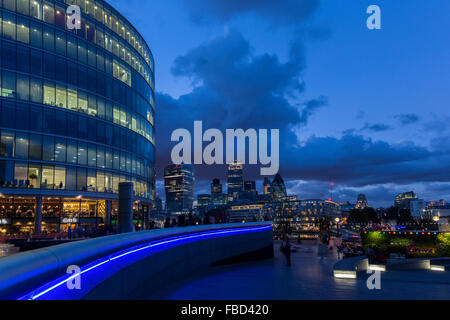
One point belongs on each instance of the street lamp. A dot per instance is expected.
(337, 225)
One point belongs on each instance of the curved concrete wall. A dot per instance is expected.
(128, 266)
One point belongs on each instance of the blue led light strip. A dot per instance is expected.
(43, 290)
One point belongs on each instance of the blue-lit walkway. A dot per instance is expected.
(310, 277)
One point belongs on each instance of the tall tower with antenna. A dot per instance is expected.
(331, 190)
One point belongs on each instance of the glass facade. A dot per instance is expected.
(76, 106)
(179, 186)
(235, 181)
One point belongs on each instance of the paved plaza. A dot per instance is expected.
(310, 277)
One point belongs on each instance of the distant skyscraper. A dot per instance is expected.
(401, 198)
(250, 192)
(235, 181)
(179, 185)
(362, 202)
(250, 186)
(410, 201)
(266, 186)
(278, 188)
(203, 200)
(216, 187)
(218, 198)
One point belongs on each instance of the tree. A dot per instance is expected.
(357, 217)
(372, 215)
(391, 214)
(364, 216)
(404, 217)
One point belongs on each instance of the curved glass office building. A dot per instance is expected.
(76, 115)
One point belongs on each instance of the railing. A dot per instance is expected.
(126, 265)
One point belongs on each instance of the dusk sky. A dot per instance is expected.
(366, 109)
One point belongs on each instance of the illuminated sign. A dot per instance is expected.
(412, 249)
(69, 220)
(247, 207)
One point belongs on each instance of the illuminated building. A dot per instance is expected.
(278, 188)
(179, 186)
(266, 186)
(361, 203)
(216, 187)
(250, 192)
(235, 181)
(77, 115)
(218, 198)
(410, 201)
(250, 186)
(203, 200)
(245, 213)
(401, 198)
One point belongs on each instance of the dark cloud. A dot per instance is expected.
(375, 127)
(361, 161)
(311, 107)
(287, 12)
(438, 124)
(406, 119)
(235, 89)
(377, 195)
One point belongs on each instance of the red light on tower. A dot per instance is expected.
(331, 190)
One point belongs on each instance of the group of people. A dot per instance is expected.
(78, 232)
(375, 255)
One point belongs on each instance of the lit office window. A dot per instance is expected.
(9, 26)
(60, 178)
(49, 12)
(61, 97)
(49, 94)
(21, 174)
(36, 9)
(92, 181)
(47, 181)
(101, 181)
(72, 99)
(23, 30)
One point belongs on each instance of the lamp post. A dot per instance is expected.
(337, 225)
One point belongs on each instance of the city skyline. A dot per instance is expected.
(328, 192)
(353, 89)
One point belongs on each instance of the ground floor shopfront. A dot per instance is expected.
(25, 215)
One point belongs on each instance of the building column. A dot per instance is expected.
(125, 207)
(108, 208)
(38, 216)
